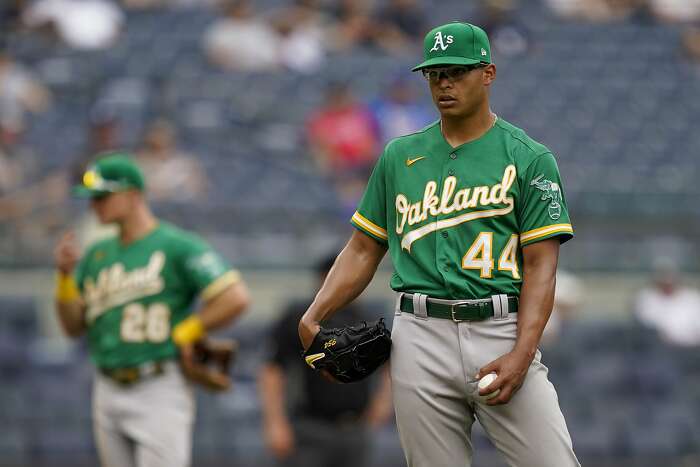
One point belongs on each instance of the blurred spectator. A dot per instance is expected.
(103, 136)
(20, 90)
(354, 25)
(401, 26)
(567, 300)
(344, 140)
(596, 10)
(241, 40)
(398, 111)
(171, 174)
(326, 424)
(508, 36)
(18, 164)
(675, 11)
(691, 44)
(342, 133)
(670, 307)
(302, 29)
(11, 13)
(154, 4)
(81, 24)
(343, 137)
(29, 197)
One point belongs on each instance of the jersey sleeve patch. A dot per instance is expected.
(220, 284)
(201, 265)
(367, 226)
(542, 233)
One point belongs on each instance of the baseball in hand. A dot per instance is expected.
(484, 382)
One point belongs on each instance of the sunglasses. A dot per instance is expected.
(101, 196)
(452, 73)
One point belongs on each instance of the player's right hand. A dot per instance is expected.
(279, 438)
(66, 254)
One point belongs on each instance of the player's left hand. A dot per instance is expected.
(511, 369)
(308, 329)
(207, 362)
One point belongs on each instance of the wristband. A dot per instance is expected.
(66, 288)
(189, 331)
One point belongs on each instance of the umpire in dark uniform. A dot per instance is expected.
(307, 420)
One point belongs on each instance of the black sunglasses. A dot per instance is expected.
(452, 73)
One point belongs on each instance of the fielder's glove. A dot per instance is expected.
(350, 353)
(207, 362)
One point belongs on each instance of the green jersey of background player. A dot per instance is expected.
(472, 213)
(132, 295)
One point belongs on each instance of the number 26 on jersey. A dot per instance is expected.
(142, 323)
(480, 256)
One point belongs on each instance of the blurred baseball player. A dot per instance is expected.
(131, 294)
(472, 213)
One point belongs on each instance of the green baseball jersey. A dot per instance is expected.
(136, 293)
(456, 219)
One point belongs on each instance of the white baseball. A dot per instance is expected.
(484, 382)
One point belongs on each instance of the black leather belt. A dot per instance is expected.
(458, 310)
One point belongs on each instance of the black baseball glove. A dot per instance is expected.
(350, 353)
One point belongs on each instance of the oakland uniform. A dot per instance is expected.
(455, 221)
(134, 295)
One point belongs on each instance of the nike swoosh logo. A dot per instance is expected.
(410, 162)
(310, 359)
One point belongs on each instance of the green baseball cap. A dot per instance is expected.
(111, 173)
(455, 44)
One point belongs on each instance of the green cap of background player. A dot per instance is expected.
(455, 44)
(110, 174)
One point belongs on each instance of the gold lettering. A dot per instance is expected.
(462, 199)
(414, 214)
(474, 200)
(430, 201)
(466, 198)
(508, 179)
(447, 189)
(115, 286)
(402, 209)
(500, 191)
(483, 193)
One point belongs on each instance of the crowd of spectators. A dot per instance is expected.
(668, 11)
(391, 25)
(297, 37)
(344, 134)
(80, 24)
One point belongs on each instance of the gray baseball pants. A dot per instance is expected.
(148, 424)
(433, 366)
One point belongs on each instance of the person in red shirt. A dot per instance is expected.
(343, 137)
(342, 133)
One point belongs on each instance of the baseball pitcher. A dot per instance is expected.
(131, 294)
(472, 213)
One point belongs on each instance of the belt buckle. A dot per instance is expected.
(456, 304)
(482, 312)
(127, 376)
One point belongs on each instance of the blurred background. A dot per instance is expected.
(257, 123)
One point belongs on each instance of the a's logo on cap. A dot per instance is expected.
(91, 178)
(483, 52)
(441, 42)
